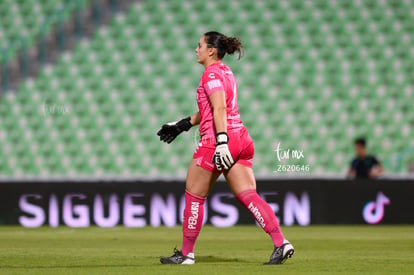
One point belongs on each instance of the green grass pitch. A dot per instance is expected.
(236, 250)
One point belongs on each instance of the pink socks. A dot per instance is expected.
(193, 221)
(194, 214)
(263, 214)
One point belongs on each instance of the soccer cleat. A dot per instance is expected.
(282, 253)
(179, 258)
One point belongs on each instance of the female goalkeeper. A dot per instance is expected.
(225, 147)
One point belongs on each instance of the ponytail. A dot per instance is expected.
(223, 44)
(233, 44)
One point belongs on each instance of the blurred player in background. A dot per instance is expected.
(364, 166)
(225, 147)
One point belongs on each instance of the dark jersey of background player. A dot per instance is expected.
(364, 166)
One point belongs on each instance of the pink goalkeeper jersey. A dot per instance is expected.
(217, 77)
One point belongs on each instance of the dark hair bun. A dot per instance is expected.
(233, 45)
(223, 44)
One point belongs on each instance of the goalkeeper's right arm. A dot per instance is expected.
(171, 130)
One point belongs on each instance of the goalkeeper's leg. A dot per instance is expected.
(242, 183)
(198, 185)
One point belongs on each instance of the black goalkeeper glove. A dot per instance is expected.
(171, 130)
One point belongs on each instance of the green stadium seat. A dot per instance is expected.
(23, 21)
(315, 75)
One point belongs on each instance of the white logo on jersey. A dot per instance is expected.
(214, 84)
(211, 75)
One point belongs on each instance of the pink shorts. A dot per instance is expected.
(240, 145)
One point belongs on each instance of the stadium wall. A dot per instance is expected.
(157, 203)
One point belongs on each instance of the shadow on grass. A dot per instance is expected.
(200, 259)
(214, 259)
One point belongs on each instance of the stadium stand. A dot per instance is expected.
(24, 20)
(315, 75)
